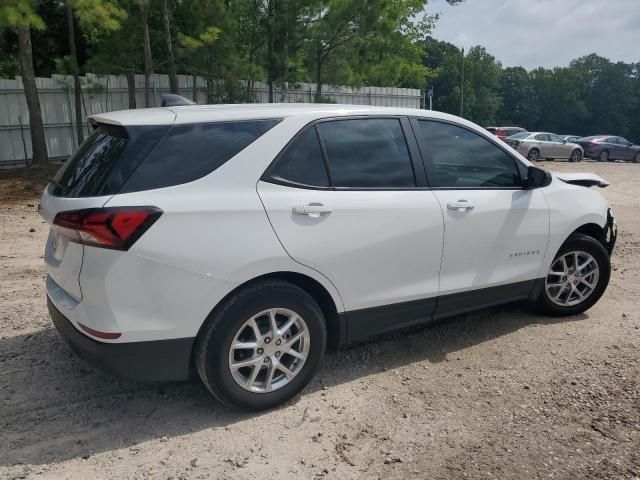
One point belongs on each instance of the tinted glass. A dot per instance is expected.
(367, 153)
(623, 141)
(189, 152)
(543, 137)
(462, 158)
(105, 160)
(555, 138)
(519, 136)
(301, 161)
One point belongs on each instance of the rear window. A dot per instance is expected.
(115, 159)
(519, 136)
(105, 160)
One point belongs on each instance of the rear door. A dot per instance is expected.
(348, 198)
(559, 147)
(496, 232)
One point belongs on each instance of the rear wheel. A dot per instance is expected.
(604, 156)
(636, 158)
(577, 278)
(262, 346)
(576, 155)
(534, 155)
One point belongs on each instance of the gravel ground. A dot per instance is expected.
(502, 393)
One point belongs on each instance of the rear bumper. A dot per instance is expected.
(147, 361)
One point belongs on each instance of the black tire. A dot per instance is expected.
(533, 155)
(214, 342)
(636, 158)
(576, 156)
(604, 156)
(583, 243)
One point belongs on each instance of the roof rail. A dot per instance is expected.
(172, 100)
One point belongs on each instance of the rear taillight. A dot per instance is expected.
(593, 144)
(113, 227)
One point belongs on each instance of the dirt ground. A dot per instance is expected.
(502, 393)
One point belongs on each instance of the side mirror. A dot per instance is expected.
(536, 178)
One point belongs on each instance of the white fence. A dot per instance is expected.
(108, 93)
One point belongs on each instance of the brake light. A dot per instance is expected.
(117, 228)
(593, 144)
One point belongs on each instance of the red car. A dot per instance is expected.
(504, 132)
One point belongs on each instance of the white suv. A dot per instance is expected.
(239, 241)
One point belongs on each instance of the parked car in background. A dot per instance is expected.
(541, 145)
(504, 132)
(607, 148)
(571, 138)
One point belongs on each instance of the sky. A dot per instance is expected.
(547, 33)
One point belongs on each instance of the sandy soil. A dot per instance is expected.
(502, 393)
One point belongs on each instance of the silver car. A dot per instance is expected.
(541, 145)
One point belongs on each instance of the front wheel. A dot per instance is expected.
(262, 346)
(576, 156)
(578, 277)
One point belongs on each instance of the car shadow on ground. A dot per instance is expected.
(56, 407)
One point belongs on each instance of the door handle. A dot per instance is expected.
(313, 210)
(460, 206)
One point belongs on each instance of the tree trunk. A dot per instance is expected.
(148, 62)
(173, 78)
(38, 143)
(75, 71)
(131, 89)
(319, 74)
(194, 86)
(210, 99)
(270, 40)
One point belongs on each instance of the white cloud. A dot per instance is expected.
(544, 33)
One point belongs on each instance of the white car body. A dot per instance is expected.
(375, 250)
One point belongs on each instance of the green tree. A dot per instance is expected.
(20, 16)
(519, 100)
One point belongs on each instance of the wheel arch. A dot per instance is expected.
(335, 321)
(591, 230)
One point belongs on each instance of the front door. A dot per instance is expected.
(366, 222)
(496, 232)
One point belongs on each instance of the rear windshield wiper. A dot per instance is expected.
(58, 185)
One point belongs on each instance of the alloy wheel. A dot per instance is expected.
(572, 278)
(269, 350)
(604, 156)
(576, 156)
(534, 156)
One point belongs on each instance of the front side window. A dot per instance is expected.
(367, 153)
(463, 159)
(555, 138)
(543, 137)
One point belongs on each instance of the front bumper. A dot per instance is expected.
(147, 361)
(610, 232)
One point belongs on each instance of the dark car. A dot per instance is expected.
(504, 132)
(608, 148)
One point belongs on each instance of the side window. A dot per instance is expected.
(301, 161)
(463, 159)
(191, 151)
(543, 137)
(367, 153)
(555, 138)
